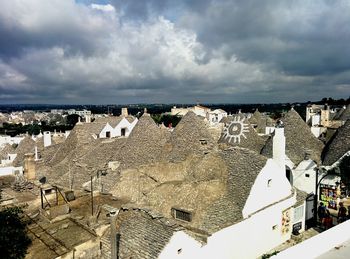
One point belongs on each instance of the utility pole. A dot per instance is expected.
(92, 198)
(315, 197)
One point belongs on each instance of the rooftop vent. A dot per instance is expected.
(181, 214)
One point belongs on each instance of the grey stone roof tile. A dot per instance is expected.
(299, 140)
(6, 149)
(144, 144)
(25, 146)
(338, 145)
(141, 236)
(343, 114)
(243, 167)
(246, 136)
(191, 136)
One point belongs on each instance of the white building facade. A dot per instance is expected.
(122, 129)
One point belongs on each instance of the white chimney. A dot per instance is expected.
(66, 133)
(87, 118)
(47, 138)
(279, 146)
(125, 112)
(79, 121)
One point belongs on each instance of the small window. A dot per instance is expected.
(269, 183)
(203, 141)
(108, 134)
(48, 191)
(307, 175)
(123, 132)
(182, 215)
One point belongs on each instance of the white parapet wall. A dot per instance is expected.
(10, 170)
(10, 140)
(319, 244)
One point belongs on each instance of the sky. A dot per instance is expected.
(173, 51)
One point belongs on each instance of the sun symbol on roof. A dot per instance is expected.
(235, 130)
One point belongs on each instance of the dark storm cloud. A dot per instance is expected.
(173, 51)
(297, 37)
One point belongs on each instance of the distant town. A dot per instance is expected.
(176, 181)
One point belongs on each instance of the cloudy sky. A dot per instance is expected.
(166, 51)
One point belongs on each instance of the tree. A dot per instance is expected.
(13, 238)
(167, 119)
(72, 119)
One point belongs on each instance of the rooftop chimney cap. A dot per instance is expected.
(279, 124)
(113, 213)
(42, 180)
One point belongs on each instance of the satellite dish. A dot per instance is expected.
(42, 180)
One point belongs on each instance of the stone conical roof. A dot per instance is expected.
(25, 146)
(345, 115)
(243, 168)
(338, 145)
(191, 136)
(299, 139)
(67, 147)
(77, 168)
(144, 144)
(7, 149)
(239, 133)
(256, 117)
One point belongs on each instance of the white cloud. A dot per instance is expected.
(105, 8)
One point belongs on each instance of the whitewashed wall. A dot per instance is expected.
(270, 186)
(181, 246)
(315, 120)
(10, 170)
(215, 114)
(116, 132)
(9, 160)
(320, 244)
(124, 123)
(252, 237)
(10, 140)
(107, 128)
(304, 177)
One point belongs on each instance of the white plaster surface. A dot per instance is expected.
(322, 245)
(252, 237)
(181, 245)
(263, 195)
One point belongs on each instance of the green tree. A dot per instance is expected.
(13, 237)
(72, 119)
(167, 119)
